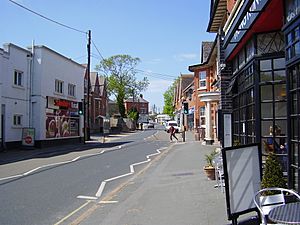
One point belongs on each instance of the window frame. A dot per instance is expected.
(18, 78)
(59, 87)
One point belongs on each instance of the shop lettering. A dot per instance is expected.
(62, 103)
(247, 17)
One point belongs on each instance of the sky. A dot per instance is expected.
(165, 34)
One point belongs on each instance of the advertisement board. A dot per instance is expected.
(28, 136)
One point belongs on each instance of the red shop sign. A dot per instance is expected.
(62, 103)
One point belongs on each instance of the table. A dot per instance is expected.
(286, 214)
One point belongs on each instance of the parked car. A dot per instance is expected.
(175, 125)
(150, 125)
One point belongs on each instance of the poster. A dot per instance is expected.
(28, 136)
(61, 123)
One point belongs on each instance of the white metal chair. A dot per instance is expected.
(265, 203)
(219, 172)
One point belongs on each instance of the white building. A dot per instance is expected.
(40, 89)
(14, 90)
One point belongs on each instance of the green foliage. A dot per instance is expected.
(133, 114)
(121, 76)
(169, 100)
(210, 157)
(273, 175)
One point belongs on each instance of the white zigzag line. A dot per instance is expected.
(132, 171)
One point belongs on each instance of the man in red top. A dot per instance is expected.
(172, 132)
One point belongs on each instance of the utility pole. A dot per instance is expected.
(88, 134)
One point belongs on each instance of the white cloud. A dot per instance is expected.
(185, 56)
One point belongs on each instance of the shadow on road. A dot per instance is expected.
(12, 156)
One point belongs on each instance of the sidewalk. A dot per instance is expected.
(173, 190)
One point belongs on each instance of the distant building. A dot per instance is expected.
(141, 105)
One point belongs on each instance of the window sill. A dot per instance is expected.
(18, 87)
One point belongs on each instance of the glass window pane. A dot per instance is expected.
(279, 75)
(280, 92)
(265, 127)
(279, 63)
(265, 65)
(294, 104)
(280, 109)
(294, 125)
(266, 76)
(267, 110)
(266, 92)
(297, 49)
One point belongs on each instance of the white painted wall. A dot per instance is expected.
(47, 67)
(15, 98)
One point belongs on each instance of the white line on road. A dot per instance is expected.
(132, 171)
(87, 197)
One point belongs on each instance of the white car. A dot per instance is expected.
(175, 125)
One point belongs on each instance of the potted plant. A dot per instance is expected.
(209, 168)
(272, 174)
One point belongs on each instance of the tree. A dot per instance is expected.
(169, 100)
(120, 71)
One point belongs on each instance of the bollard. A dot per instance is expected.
(183, 136)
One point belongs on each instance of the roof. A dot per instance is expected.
(136, 99)
(206, 50)
(209, 48)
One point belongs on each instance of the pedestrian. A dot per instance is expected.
(172, 132)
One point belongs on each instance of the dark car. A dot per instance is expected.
(150, 125)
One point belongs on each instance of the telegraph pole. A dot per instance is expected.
(88, 134)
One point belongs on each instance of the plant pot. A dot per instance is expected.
(210, 172)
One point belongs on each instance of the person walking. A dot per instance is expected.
(172, 132)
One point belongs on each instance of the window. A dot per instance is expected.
(18, 78)
(17, 120)
(59, 86)
(202, 115)
(293, 43)
(202, 79)
(71, 90)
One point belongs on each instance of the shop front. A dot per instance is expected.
(263, 55)
(291, 32)
(62, 119)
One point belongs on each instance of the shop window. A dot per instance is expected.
(18, 78)
(293, 43)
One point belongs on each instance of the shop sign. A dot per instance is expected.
(244, 24)
(56, 103)
(28, 136)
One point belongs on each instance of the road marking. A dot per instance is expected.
(72, 213)
(51, 164)
(132, 171)
(11, 177)
(108, 202)
(87, 197)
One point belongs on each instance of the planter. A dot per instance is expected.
(210, 172)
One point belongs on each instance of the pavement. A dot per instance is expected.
(170, 190)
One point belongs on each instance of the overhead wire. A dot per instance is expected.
(47, 18)
(152, 74)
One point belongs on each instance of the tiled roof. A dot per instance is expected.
(206, 49)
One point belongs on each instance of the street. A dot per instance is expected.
(48, 193)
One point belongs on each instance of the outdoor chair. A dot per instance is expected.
(219, 172)
(265, 203)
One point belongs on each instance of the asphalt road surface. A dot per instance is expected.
(50, 194)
